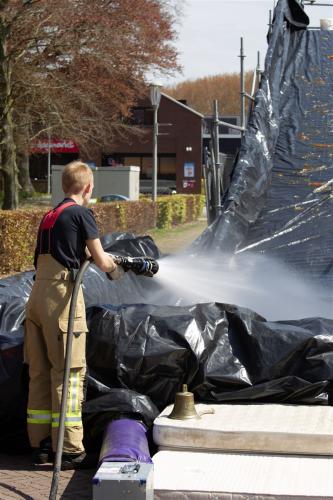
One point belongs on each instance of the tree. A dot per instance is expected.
(201, 92)
(75, 67)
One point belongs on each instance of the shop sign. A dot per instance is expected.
(190, 184)
(189, 169)
(56, 146)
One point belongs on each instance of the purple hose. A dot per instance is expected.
(125, 441)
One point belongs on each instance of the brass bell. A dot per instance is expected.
(184, 405)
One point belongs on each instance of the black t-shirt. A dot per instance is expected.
(74, 226)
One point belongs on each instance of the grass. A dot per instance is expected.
(179, 237)
(36, 200)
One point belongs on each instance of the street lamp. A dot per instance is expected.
(155, 97)
(49, 160)
(49, 152)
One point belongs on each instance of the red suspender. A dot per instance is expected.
(49, 220)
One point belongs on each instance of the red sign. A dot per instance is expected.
(189, 184)
(56, 146)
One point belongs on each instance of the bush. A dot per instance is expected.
(18, 228)
(135, 216)
(177, 209)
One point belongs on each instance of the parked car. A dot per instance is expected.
(113, 197)
(160, 190)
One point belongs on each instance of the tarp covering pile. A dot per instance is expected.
(223, 352)
(139, 353)
(280, 201)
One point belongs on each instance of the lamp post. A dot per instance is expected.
(155, 97)
(49, 152)
(49, 161)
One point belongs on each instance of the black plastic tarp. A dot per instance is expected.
(139, 354)
(280, 200)
(224, 353)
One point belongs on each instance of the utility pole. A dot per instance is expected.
(242, 86)
(49, 160)
(270, 22)
(217, 159)
(155, 97)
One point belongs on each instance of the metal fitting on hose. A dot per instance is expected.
(142, 266)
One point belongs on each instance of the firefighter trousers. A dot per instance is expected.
(44, 350)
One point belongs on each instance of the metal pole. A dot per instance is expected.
(206, 172)
(258, 62)
(231, 125)
(254, 81)
(216, 131)
(270, 22)
(212, 180)
(155, 134)
(312, 4)
(217, 158)
(256, 75)
(49, 161)
(242, 85)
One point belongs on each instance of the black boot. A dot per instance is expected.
(43, 454)
(71, 461)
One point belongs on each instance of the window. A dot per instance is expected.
(138, 116)
(142, 116)
(167, 168)
(147, 167)
(132, 161)
(149, 116)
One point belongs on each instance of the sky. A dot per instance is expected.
(210, 31)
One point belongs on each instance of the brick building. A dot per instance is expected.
(179, 149)
(179, 146)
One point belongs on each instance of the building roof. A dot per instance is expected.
(182, 105)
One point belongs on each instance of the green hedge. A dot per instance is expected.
(135, 216)
(18, 228)
(178, 209)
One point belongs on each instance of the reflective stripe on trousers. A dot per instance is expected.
(73, 414)
(71, 419)
(74, 392)
(39, 416)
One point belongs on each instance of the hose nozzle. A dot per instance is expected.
(142, 266)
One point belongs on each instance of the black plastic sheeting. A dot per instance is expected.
(224, 353)
(280, 201)
(139, 354)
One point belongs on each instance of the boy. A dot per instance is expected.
(63, 236)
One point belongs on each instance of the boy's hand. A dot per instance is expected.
(117, 274)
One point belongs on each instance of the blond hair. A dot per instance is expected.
(76, 175)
